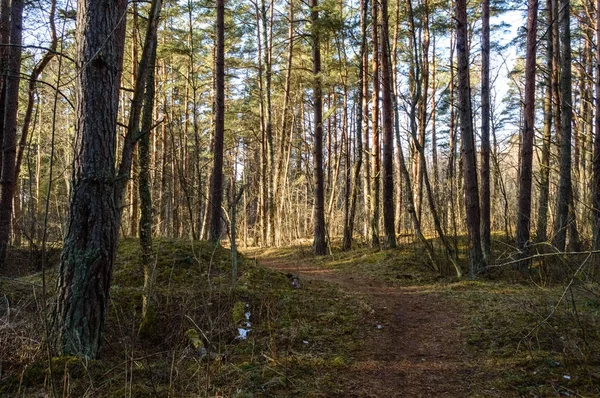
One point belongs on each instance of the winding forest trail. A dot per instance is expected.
(413, 345)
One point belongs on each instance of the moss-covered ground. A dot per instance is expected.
(509, 333)
(298, 342)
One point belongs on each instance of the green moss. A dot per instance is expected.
(148, 324)
(237, 313)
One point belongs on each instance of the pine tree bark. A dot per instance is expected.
(267, 20)
(90, 244)
(525, 178)
(476, 260)
(9, 137)
(596, 155)
(565, 189)
(375, 146)
(319, 242)
(361, 115)
(544, 194)
(485, 130)
(5, 11)
(144, 191)
(388, 133)
(216, 181)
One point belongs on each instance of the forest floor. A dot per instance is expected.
(420, 333)
(362, 324)
(413, 340)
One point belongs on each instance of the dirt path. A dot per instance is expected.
(417, 351)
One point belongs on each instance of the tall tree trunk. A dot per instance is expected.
(5, 10)
(376, 150)
(388, 133)
(145, 223)
(452, 150)
(285, 114)
(542, 216)
(361, 115)
(216, 181)
(133, 187)
(476, 260)
(525, 179)
(319, 243)
(485, 130)
(596, 156)
(9, 139)
(421, 61)
(90, 244)
(268, 43)
(565, 188)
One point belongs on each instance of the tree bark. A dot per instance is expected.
(476, 260)
(565, 188)
(525, 178)
(216, 188)
(388, 133)
(542, 216)
(9, 136)
(485, 129)
(361, 115)
(376, 150)
(144, 184)
(596, 156)
(319, 243)
(90, 244)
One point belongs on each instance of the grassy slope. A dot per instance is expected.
(300, 337)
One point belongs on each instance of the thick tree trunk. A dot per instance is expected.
(216, 188)
(319, 243)
(525, 179)
(9, 139)
(476, 260)
(91, 241)
(89, 248)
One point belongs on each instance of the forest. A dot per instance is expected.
(313, 198)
